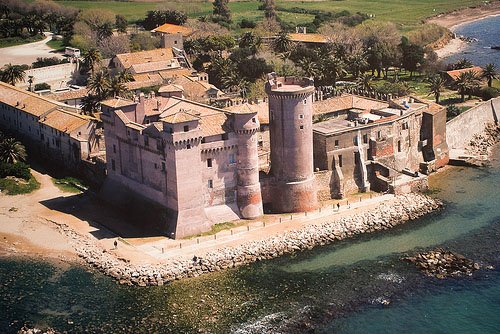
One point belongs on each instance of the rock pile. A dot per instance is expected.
(481, 142)
(26, 330)
(385, 216)
(440, 263)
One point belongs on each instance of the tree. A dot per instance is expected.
(357, 64)
(249, 41)
(92, 59)
(309, 67)
(221, 10)
(99, 21)
(121, 23)
(489, 73)
(412, 55)
(330, 70)
(281, 43)
(436, 86)
(462, 63)
(125, 76)
(117, 87)
(467, 82)
(98, 85)
(12, 151)
(156, 18)
(91, 104)
(13, 74)
(365, 82)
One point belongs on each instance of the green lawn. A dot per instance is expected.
(407, 14)
(11, 41)
(69, 184)
(56, 44)
(16, 186)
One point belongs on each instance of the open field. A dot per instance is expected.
(407, 14)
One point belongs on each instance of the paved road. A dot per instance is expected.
(27, 53)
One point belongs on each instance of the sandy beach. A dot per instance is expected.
(462, 16)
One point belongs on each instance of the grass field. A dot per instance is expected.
(69, 184)
(11, 41)
(407, 14)
(16, 187)
(56, 44)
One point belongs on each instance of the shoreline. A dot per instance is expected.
(386, 215)
(459, 17)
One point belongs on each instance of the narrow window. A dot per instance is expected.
(340, 160)
(210, 184)
(163, 166)
(301, 116)
(231, 158)
(399, 145)
(114, 148)
(254, 120)
(146, 141)
(302, 127)
(112, 164)
(209, 163)
(365, 138)
(188, 146)
(378, 134)
(186, 128)
(203, 140)
(305, 101)
(336, 142)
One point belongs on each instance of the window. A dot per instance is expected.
(378, 135)
(302, 127)
(170, 130)
(231, 158)
(210, 184)
(340, 160)
(305, 101)
(365, 138)
(188, 146)
(112, 164)
(355, 140)
(114, 148)
(146, 141)
(186, 128)
(163, 166)
(336, 142)
(301, 116)
(225, 136)
(399, 145)
(209, 163)
(203, 140)
(254, 120)
(159, 145)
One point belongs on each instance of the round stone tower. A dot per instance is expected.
(290, 118)
(249, 198)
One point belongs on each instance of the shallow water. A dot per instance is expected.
(336, 288)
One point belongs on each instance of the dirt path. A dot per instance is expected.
(27, 53)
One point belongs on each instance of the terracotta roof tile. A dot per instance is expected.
(168, 28)
(170, 88)
(31, 103)
(307, 38)
(65, 121)
(156, 55)
(179, 117)
(456, 73)
(117, 102)
(69, 95)
(262, 110)
(155, 66)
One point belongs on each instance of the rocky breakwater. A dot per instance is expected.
(441, 264)
(481, 142)
(386, 215)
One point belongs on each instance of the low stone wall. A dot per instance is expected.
(461, 129)
(386, 215)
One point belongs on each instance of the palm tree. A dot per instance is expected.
(12, 151)
(125, 76)
(332, 68)
(365, 82)
(13, 74)
(436, 86)
(466, 83)
(462, 63)
(474, 81)
(98, 85)
(357, 64)
(92, 59)
(489, 73)
(309, 67)
(281, 43)
(117, 87)
(90, 104)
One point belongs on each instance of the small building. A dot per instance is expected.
(72, 97)
(451, 76)
(172, 36)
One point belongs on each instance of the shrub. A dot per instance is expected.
(18, 169)
(452, 111)
(247, 24)
(42, 86)
(488, 93)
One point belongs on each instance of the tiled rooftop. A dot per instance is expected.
(65, 121)
(24, 100)
(168, 28)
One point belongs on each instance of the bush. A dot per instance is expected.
(18, 169)
(488, 93)
(42, 86)
(247, 24)
(452, 111)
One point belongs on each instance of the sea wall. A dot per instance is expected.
(388, 214)
(461, 129)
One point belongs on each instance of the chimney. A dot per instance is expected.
(152, 94)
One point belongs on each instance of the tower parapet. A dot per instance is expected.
(249, 198)
(291, 136)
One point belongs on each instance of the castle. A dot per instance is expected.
(199, 163)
